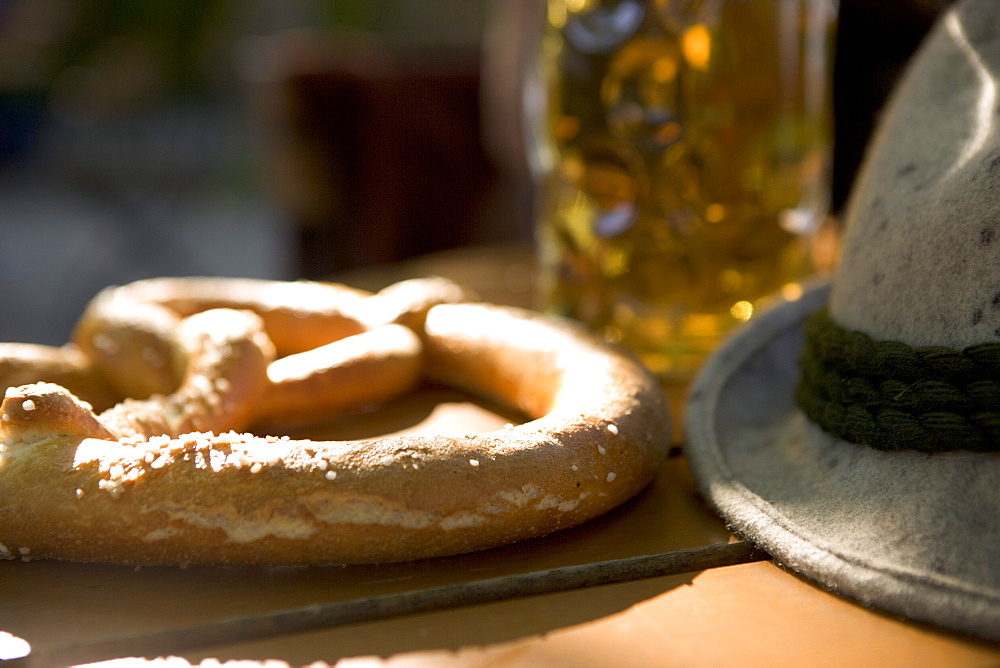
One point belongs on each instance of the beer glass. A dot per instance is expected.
(684, 155)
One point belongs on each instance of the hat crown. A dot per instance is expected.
(921, 256)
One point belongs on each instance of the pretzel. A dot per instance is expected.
(595, 435)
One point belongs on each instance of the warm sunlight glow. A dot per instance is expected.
(12, 647)
(696, 43)
(714, 213)
(742, 310)
(791, 291)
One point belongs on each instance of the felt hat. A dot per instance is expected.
(854, 433)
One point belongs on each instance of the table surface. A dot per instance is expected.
(719, 601)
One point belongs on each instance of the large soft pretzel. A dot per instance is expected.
(596, 435)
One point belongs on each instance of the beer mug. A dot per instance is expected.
(683, 149)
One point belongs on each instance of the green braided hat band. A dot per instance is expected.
(891, 396)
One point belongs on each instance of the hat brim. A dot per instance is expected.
(913, 534)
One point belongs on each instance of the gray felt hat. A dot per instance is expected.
(849, 489)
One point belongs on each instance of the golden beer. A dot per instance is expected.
(686, 159)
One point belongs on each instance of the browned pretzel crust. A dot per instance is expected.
(598, 432)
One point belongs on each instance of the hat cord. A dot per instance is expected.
(892, 396)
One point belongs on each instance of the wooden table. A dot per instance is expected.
(586, 596)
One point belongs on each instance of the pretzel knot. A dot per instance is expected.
(166, 476)
(338, 349)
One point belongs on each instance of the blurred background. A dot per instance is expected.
(286, 138)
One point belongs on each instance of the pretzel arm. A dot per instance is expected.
(23, 363)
